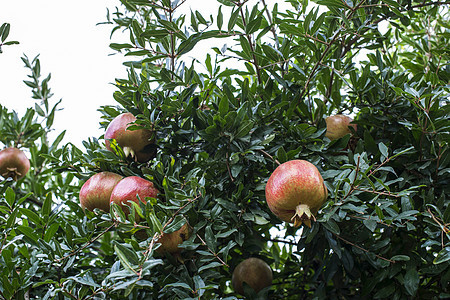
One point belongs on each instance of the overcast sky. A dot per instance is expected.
(75, 51)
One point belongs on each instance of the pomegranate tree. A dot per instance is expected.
(127, 189)
(338, 126)
(295, 191)
(253, 271)
(170, 241)
(139, 144)
(96, 191)
(13, 163)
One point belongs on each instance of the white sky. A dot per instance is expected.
(75, 51)
(72, 48)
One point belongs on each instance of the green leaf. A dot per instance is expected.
(10, 196)
(32, 216)
(411, 281)
(370, 224)
(28, 232)
(127, 256)
(4, 31)
(50, 232)
(210, 238)
(318, 23)
(332, 226)
(253, 25)
(220, 18)
(209, 266)
(244, 129)
(223, 106)
(47, 205)
(281, 155)
(443, 256)
(400, 258)
(233, 19)
(384, 150)
(176, 224)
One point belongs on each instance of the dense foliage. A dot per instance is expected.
(263, 79)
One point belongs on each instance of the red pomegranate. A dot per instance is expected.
(137, 143)
(295, 192)
(253, 271)
(170, 241)
(128, 188)
(337, 126)
(96, 191)
(13, 163)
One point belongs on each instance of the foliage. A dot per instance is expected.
(4, 33)
(223, 123)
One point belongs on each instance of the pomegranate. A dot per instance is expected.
(139, 144)
(295, 191)
(337, 126)
(128, 188)
(170, 241)
(96, 191)
(13, 163)
(253, 271)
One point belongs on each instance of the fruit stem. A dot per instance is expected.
(303, 215)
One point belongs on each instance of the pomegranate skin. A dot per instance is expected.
(295, 192)
(13, 163)
(96, 191)
(128, 188)
(133, 142)
(253, 271)
(337, 126)
(171, 241)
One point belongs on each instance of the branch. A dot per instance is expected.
(377, 192)
(270, 156)
(157, 235)
(361, 248)
(87, 244)
(212, 252)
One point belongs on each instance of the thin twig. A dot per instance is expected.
(270, 156)
(443, 226)
(212, 252)
(377, 192)
(228, 167)
(361, 248)
(363, 218)
(87, 244)
(157, 235)
(284, 241)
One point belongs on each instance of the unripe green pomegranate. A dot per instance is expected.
(13, 163)
(337, 126)
(253, 271)
(128, 188)
(295, 192)
(96, 191)
(139, 144)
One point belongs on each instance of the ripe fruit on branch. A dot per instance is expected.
(128, 188)
(337, 126)
(170, 241)
(137, 143)
(96, 191)
(253, 271)
(13, 163)
(295, 191)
